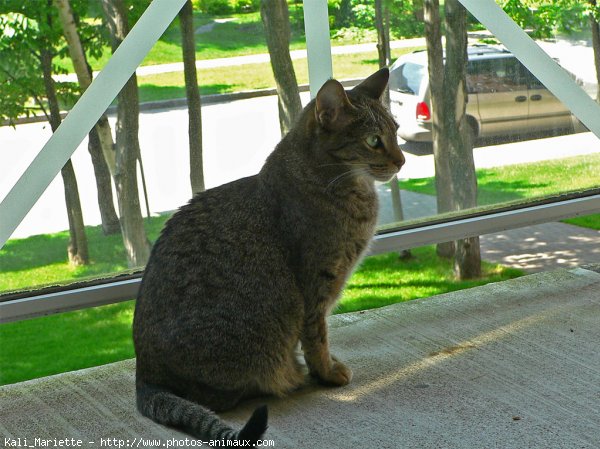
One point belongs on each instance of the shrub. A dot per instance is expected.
(214, 7)
(246, 5)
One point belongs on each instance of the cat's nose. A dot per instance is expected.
(399, 160)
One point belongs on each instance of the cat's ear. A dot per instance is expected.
(331, 105)
(374, 86)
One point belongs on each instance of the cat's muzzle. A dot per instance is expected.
(383, 172)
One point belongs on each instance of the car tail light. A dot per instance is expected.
(423, 112)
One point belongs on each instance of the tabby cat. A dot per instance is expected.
(246, 271)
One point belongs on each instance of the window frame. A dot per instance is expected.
(142, 37)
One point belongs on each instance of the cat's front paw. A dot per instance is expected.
(337, 375)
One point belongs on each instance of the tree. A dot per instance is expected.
(136, 243)
(594, 15)
(27, 47)
(467, 258)
(188, 47)
(382, 24)
(100, 143)
(405, 16)
(545, 17)
(276, 21)
(77, 249)
(455, 178)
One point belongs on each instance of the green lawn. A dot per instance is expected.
(242, 36)
(42, 259)
(387, 279)
(528, 181)
(166, 86)
(91, 337)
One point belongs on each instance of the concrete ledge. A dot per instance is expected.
(507, 365)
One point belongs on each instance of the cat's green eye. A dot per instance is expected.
(373, 141)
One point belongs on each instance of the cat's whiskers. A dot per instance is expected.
(338, 178)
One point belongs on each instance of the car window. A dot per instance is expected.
(495, 75)
(407, 78)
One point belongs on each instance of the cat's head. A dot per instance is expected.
(356, 131)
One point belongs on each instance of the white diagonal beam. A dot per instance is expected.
(318, 44)
(92, 104)
(554, 77)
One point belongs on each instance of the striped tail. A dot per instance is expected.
(168, 409)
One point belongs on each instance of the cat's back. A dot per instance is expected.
(214, 239)
(224, 212)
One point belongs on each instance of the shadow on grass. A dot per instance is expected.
(370, 61)
(107, 253)
(490, 189)
(424, 275)
(245, 33)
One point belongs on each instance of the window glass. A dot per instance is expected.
(502, 74)
(528, 147)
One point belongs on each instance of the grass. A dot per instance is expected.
(219, 80)
(42, 259)
(587, 221)
(529, 181)
(65, 342)
(91, 337)
(387, 279)
(242, 36)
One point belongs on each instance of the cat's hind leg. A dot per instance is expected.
(288, 376)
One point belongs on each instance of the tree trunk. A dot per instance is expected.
(467, 260)
(100, 143)
(382, 25)
(84, 77)
(455, 178)
(435, 60)
(418, 13)
(383, 33)
(188, 47)
(136, 243)
(77, 249)
(275, 18)
(596, 45)
(108, 215)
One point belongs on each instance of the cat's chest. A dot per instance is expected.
(355, 236)
(352, 220)
(344, 239)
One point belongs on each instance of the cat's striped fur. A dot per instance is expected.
(246, 271)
